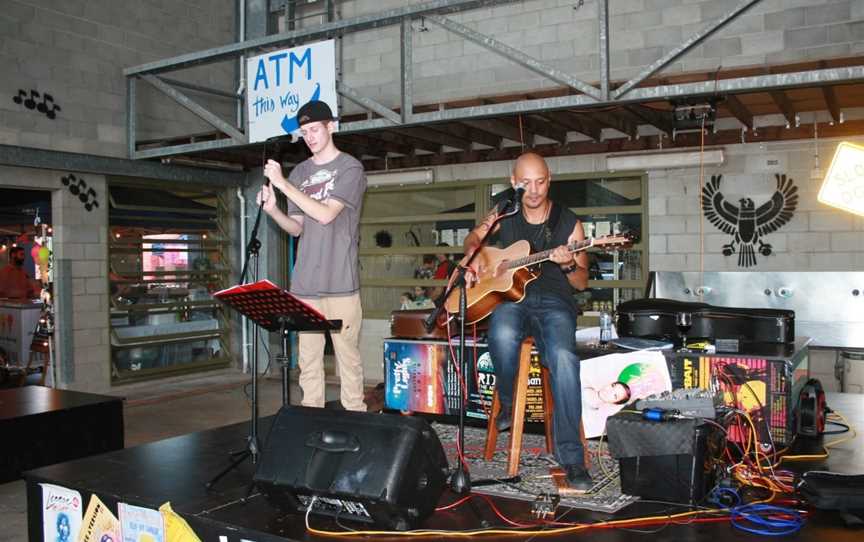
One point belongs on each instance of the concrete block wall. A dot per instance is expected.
(817, 238)
(81, 238)
(76, 51)
(564, 34)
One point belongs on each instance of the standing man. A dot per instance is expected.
(14, 281)
(325, 195)
(547, 312)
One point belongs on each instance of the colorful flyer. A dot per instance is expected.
(138, 524)
(61, 513)
(100, 524)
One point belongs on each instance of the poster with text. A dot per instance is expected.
(138, 524)
(61, 513)
(279, 83)
(99, 524)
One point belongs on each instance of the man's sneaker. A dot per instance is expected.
(504, 419)
(578, 477)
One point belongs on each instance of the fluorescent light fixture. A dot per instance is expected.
(664, 159)
(400, 177)
(843, 186)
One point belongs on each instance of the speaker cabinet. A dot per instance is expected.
(382, 469)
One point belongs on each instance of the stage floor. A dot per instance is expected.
(177, 470)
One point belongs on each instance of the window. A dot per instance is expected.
(166, 258)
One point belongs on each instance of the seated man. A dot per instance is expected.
(547, 313)
(14, 282)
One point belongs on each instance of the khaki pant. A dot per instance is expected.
(346, 344)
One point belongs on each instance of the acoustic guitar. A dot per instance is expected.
(504, 274)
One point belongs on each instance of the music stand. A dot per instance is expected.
(273, 309)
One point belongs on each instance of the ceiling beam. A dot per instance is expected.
(11, 155)
(739, 85)
(539, 126)
(622, 144)
(616, 122)
(415, 142)
(469, 133)
(358, 149)
(436, 137)
(831, 102)
(739, 110)
(372, 140)
(499, 127)
(658, 119)
(575, 123)
(784, 104)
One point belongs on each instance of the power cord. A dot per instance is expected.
(766, 519)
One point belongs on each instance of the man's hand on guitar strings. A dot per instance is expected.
(562, 256)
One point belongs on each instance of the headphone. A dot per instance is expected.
(811, 409)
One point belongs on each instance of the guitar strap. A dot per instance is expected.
(552, 223)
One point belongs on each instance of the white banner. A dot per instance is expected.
(279, 83)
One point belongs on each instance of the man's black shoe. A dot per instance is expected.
(504, 419)
(578, 478)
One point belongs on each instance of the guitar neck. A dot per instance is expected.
(539, 257)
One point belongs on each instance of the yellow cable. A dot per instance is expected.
(467, 534)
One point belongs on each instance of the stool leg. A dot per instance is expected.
(492, 428)
(519, 401)
(548, 409)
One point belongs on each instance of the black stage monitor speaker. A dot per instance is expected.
(383, 469)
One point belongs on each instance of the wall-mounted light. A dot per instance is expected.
(843, 186)
(400, 176)
(664, 159)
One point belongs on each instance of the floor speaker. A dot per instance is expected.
(382, 469)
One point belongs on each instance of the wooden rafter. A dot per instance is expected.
(739, 111)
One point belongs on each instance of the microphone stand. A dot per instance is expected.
(252, 443)
(460, 481)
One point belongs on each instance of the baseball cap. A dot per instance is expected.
(314, 111)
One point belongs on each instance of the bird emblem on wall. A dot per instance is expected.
(746, 223)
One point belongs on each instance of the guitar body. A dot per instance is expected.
(495, 284)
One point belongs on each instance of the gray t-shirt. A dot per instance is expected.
(327, 261)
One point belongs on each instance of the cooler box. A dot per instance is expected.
(17, 324)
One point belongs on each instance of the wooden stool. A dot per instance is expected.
(520, 396)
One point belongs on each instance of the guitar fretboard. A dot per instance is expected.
(538, 257)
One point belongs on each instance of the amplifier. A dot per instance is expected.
(662, 461)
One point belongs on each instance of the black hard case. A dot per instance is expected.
(655, 318)
(383, 469)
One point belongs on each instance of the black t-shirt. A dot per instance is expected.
(552, 233)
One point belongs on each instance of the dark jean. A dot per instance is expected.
(551, 321)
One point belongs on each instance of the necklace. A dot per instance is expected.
(542, 229)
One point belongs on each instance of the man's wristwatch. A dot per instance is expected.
(569, 269)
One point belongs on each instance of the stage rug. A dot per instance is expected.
(534, 467)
